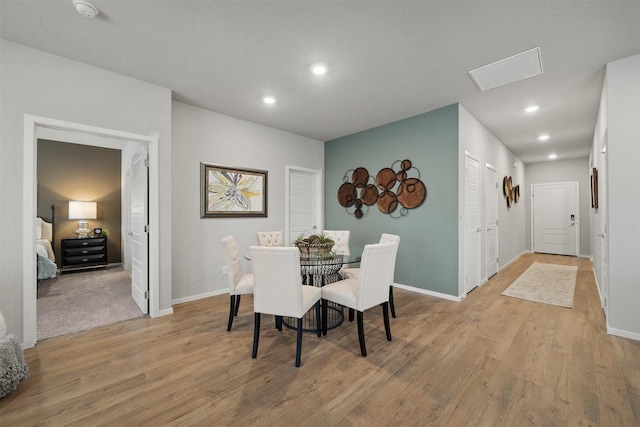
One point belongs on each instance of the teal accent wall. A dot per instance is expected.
(428, 252)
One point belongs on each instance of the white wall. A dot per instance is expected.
(623, 151)
(201, 135)
(563, 171)
(477, 139)
(37, 83)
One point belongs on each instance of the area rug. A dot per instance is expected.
(546, 283)
(74, 302)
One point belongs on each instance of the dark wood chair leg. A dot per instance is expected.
(385, 314)
(279, 323)
(324, 317)
(232, 305)
(319, 326)
(238, 305)
(351, 312)
(299, 342)
(256, 334)
(391, 304)
(363, 347)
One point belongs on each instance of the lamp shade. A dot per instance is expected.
(82, 210)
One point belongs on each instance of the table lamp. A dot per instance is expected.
(82, 211)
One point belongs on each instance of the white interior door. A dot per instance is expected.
(555, 218)
(604, 227)
(304, 199)
(472, 223)
(138, 235)
(491, 220)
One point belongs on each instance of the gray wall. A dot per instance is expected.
(201, 135)
(563, 171)
(37, 83)
(621, 122)
(428, 252)
(477, 140)
(85, 173)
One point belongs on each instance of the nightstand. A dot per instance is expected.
(84, 253)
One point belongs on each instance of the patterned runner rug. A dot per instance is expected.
(546, 283)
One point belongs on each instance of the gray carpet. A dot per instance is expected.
(74, 302)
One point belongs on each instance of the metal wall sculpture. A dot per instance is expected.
(388, 190)
(511, 192)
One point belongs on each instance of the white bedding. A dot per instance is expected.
(47, 267)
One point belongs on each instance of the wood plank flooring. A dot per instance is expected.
(490, 360)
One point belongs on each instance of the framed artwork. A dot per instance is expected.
(232, 192)
(594, 188)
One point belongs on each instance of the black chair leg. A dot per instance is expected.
(238, 305)
(232, 305)
(279, 323)
(299, 342)
(351, 312)
(391, 304)
(324, 317)
(256, 334)
(385, 314)
(363, 348)
(318, 319)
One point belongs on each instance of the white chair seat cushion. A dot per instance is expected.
(342, 292)
(350, 273)
(245, 285)
(310, 295)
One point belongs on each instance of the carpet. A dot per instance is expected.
(546, 283)
(74, 302)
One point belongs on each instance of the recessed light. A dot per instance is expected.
(532, 108)
(553, 156)
(85, 8)
(269, 100)
(319, 69)
(543, 137)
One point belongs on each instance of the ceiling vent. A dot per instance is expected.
(517, 67)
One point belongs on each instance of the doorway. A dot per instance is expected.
(554, 218)
(603, 208)
(36, 127)
(304, 202)
(472, 222)
(491, 219)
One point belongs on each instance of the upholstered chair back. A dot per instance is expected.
(232, 262)
(270, 238)
(384, 238)
(376, 274)
(277, 281)
(339, 237)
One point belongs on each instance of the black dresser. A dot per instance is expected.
(89, 252)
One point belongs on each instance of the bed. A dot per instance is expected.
(47, 267)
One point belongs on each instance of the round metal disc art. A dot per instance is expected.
(391, 188)
(347, 194)
(411, 193)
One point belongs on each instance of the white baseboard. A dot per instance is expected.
(623, 334)
(595, 278)
(427, 292)
(584, 256)
(200, 296)
(165, 312)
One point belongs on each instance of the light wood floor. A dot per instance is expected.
(490, 360)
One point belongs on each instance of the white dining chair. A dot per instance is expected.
(354, 272)
(369, 289)
(278, 290)
(239, 283)
(270, 238)
(340, 237)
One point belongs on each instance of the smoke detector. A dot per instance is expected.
(85, 8)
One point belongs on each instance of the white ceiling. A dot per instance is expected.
(387, 60)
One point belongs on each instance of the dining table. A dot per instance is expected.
(319, 269)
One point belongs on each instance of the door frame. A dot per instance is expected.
(318, 178)
(577, 210)
(465, 289)
(29, 204)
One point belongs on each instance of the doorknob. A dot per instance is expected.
(478, 230)
(601, 235)
(130, 233)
